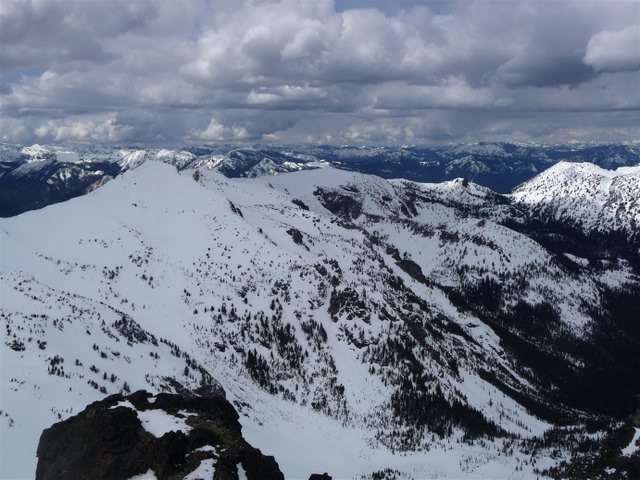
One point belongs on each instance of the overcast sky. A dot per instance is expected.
(321, 71)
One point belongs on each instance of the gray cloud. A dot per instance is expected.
(45, 33)
(614, 51)
(317, 71)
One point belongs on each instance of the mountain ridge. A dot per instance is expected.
(75, 169)
(593, 197)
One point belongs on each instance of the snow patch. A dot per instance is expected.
(206, 469)
(208, 448)
(149, 475)
(159, 422)
(242, 474)
(123, 403)
(633, 446)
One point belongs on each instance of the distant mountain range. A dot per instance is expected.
(34, 176)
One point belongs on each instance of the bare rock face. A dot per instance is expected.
(171, 435)
(344, 205)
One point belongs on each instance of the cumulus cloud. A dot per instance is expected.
(103, 129)
(312, 70)
(615, 51)
(217, 132)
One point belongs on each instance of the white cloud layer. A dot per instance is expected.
(153, 71)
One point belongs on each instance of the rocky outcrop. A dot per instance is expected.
(297, 237)
(347, 303)
(300, 204)
(413, 269)
(343, 205)
(170, 436)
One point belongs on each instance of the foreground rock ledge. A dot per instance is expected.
(168, 436)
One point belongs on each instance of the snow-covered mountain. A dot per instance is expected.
(586, 195)
(34, 176)
(357, 324)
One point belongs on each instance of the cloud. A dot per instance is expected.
(302, 70)
(454, 93)
(47, 32)
(14, 130)
(103, 129)
(217, 132)
(238, 126)
(615, 51)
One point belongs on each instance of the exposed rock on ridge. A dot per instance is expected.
(174, 436)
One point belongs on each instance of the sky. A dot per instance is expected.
(319, 71)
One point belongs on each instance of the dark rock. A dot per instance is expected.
(413, 269)
(343, 205)
(300, 204)
(297, 237)
(318, 476)
(393, 251)
(235, 209)
(348, 303)
(322, 270)
(106, 441)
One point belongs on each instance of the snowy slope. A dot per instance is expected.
(586, 195)
(319, 300)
